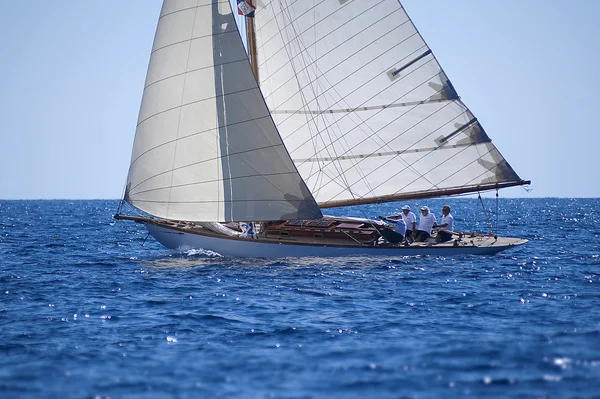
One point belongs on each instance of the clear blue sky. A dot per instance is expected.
(72, 75)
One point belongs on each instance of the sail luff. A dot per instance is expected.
(446, 192)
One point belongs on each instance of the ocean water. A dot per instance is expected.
(90, 308)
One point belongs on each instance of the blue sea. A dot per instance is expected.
(93, 308)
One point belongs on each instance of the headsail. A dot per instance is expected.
(364, 108)
(206, 148)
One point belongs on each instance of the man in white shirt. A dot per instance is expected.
(410, 220)
(426, 222)
(446, 227)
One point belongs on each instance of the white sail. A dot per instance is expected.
(364, 108)
(206, 148)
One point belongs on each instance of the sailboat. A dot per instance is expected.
(333, 103)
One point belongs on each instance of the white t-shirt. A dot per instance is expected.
(409, 220)
(426, 222)
(450, 220)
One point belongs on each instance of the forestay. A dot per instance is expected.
(206, 148)
(364, 108)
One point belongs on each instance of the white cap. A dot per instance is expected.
(406, 207)
(424, 208)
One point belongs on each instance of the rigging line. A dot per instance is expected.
(487, 218)
(339, 96)
(122, 201)
(309, 28)
(425, 155)
(421, 176)
(475, 213)
(301, 56)
(409, 166)
(315, 189)
(287, 156)
(381, 110)
(394, 120)
(478, 177)
(371, 135)
(328, 131)
(433, 168)
(482, 174)
(356, 70)
(434, 57)
(476, 147)
(387, 144)
(341, 44)
(332, 179)
(490, 175)
(214, 181)
(497, 213)
(277, 14)
(180, 109)
(351, 55)
(348, 76)
(289, 42)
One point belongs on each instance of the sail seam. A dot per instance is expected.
(192, 39)
(194, 70)
(435, 167)
(220, 202)
(287, 43)
(395, 157)
(370, 117)
(342, 61)
(325, 36)
(356, 166)
(230, 178)
(275, 16)
(254, 88)
(193, 135)
(208, 160)
(356, 89)
(421, 175)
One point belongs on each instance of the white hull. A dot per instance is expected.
(252, 248)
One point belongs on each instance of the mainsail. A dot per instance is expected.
(363, 106)
(206, 147)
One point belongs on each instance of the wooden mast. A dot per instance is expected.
(251, 36)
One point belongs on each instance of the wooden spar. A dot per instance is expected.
(251, 36)
(422, 194)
